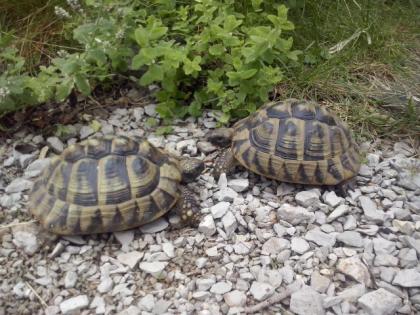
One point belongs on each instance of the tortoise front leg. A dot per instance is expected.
(343, 188)
(224, 164)
(188, 207)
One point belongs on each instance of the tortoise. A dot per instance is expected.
(112, 184)
(294, 141)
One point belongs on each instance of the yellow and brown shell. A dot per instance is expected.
(296, 141)
(103, 185)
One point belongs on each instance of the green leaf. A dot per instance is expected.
(164, 130)
(97, 56)
(154, 73)
(146, 56)
(231, 23)
(82, 84)
(216, 50)
(95, 125)
(157, 32)
(191, 66)
(64, 89)
(142, 36)
(214, 85)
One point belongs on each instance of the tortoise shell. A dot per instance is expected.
(298, 142)
(103, 185)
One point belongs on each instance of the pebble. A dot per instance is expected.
(221, 288)
(299, 245)
(229, 223)
(337, 213)
(306, 301)
(371, 211)
(319, 282)
(155, 268)
(235, 298)
(26, 241)
(18, 185)
(294, 215)
(125, 238)
(274, 245)
(206, 147)
(155, 226)
(261, 291)
(147, 302)
(219, 209)
(98, 303)
(74, 304)
(105, 285)
(168, 249)
(36, 167)
(150, 110)
(331, 199)
(407, 278)
(70, 279)
(307, 198)
(354, 268)
(320, 238)
(207, 225)
(131, 259)
(380, 302)
(239, 185)
(85, 132)
(204, 284)
(351, 238)
(55, 144)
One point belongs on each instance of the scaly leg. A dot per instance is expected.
(224, 164)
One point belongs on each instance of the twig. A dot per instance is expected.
(45, 305)
(277, 298)
(270, 301)
(16, 224)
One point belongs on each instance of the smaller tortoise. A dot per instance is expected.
(112, 184)
(292, 141)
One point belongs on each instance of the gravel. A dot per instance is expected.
(354, 254)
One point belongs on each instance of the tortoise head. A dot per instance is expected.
(191, 168)
(221, 136)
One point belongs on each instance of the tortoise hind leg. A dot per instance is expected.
(188, 207)
(224, 164)
(343, 188)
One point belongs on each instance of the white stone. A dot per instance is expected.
(239, 185)
(226, 194)
(331, 199)
(407, 278)
(125, 238)
(168, 249)
(201, 261)
(219, 209)
(319, 282)
(338, 212)
(229, 223)
(306, 301)
(221, 287)
(380, 302)
(138, 113)
(18, 185)
(354, 268)
(299, 245)
(131, 259)
(70, 279)
(295, 215)
(235, 298)
(147, 302)
(318, 237)
(55, 144)
(274, 245)
(150, 110)
(261, 291)
(27, 241)
(36, 167)
(351, 238)
(105, 285)
(307, 198)
(86, 131)
(371, 211)
(98, 303)
(74, 304)
(155, 226)
(405, 227)
(382, 245)
(207, 225)
(131, 310)
(155, 268)
(204, 284)
(242, 248)
(201, 295)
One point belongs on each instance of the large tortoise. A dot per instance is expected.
(112, 184)
(292, 141)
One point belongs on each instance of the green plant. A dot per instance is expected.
(213, 53)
